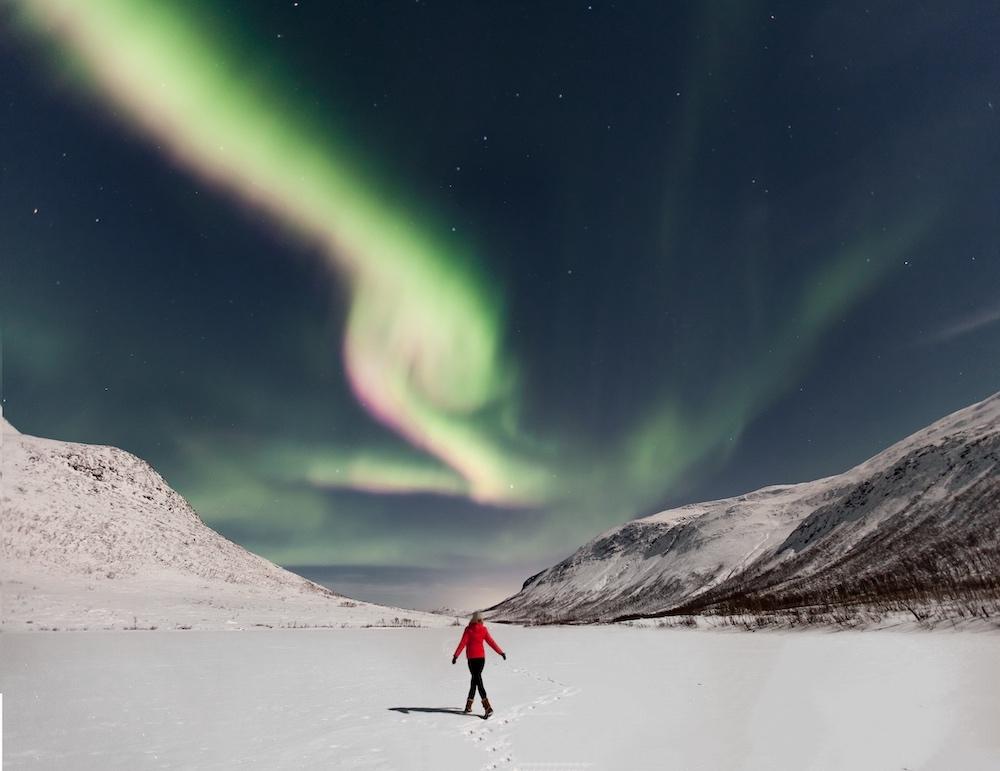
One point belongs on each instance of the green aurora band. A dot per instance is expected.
(422, 346)
(422, 343)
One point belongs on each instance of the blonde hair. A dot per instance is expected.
(477, 616)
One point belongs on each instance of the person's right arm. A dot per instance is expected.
(493, 645)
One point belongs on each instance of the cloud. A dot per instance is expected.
(965, 325)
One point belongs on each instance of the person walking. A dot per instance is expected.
(472, 640)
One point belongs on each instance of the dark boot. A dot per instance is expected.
(468, 705)
(486, 706)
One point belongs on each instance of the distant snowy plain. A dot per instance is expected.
(606, 697)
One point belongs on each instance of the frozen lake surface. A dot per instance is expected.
(567, 698)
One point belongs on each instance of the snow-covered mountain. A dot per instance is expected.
(917, 523)
(92, 537)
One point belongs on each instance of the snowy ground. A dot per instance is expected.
(567, 698)
(166, 601)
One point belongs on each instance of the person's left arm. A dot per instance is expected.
(461, 644)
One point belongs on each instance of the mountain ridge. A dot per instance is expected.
(787, 546)
(93, 537)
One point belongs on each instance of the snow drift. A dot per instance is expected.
(92, 537)
(916, 525)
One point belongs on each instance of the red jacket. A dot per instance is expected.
(473, 637)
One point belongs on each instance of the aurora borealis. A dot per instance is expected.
(452, 287)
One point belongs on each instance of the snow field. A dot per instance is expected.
(567, 698)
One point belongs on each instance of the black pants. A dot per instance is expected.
(476, 668)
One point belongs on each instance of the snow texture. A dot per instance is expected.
(567, 698)
(91, 537)
(920, 521)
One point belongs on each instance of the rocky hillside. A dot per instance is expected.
(93, 537)
(916, 525)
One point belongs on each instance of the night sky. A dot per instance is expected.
(417, 297)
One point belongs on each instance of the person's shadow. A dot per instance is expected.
(442, 710)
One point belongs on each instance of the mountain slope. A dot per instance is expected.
(92, 536)
(920, 521)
